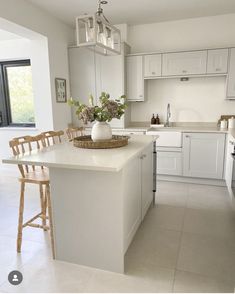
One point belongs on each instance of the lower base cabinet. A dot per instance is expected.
(203, 155)
(169, 163)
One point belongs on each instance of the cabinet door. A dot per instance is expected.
(169, 163)
(146, 179)
(231, 76)
(135, 80)
(152, 65)
(184, 63)
(217, 61)
(203, 155)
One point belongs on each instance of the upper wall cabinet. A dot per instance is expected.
(135, 78)
(184, 63)
(152, 65)
(231, 76)
(217, 62)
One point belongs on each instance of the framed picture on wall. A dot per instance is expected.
(61, 92)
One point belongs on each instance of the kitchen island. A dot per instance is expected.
(99, 198)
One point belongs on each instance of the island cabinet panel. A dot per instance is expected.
(146, 179)
(184, 63)
(203, 155)
(152, 65)
(217, 61)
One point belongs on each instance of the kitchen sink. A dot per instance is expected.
(167, 136)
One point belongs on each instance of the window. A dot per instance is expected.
(16, 94)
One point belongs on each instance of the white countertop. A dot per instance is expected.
(65, 155)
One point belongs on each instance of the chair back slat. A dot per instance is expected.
(74, 132)
(22, 145)
(52, 137)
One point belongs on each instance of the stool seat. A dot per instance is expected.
(36, 177)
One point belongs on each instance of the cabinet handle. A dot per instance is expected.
(218, 69)
(140, 95)
(144, 155)
(187, 136)
(153, 73)
(184, 71)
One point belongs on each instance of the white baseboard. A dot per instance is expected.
(192, 180)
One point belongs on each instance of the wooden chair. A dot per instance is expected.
(52, 137)
(33, 175)
(74, 132)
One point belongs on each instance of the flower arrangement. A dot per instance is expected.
(104, 112)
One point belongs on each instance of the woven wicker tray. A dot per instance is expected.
(86, 142)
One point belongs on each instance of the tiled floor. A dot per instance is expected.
(185, 244)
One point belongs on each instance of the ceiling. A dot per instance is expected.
(137, 11)
(5, 36)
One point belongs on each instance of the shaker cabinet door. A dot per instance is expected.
(152, 65)
(203, 155)
(231, 76)
(135, 80)
(217, 61)
(184, 63)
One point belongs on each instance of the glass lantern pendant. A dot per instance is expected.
(96, 31)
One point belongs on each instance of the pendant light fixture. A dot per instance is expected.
(97, 32)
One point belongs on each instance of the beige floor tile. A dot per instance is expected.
(52, 276)
(165, 217)
(155, 246)
(208, 198)
(210, 256)
(186, 282)
(210, 223)
(136, 279)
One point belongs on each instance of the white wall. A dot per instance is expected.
(15, 49)
(200, 99)
(29, 19)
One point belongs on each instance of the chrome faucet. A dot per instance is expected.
(168, 115)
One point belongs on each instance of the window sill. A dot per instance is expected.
(19, 129)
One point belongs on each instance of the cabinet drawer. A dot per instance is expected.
(169, 163)
(184, 63)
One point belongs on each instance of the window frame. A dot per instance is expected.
(5, 110)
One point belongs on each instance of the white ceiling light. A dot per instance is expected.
(97, 32)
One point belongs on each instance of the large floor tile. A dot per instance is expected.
(211, 256)
(136, 279)
(186, 282)
(171, 193)
(155, 246)
(165, 217)
(51, 276)
(208, 197)
(210, 223)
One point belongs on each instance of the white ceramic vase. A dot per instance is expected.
(101, 131)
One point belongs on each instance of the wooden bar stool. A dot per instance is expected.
(74, 132)
(33, 175)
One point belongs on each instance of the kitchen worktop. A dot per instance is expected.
(67, 156)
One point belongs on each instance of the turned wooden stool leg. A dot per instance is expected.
(42, 200)
(20, 221)
(45, 208)
(50, 219)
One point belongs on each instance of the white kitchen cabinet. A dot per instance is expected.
(146, 179)
(135, 78)
(231, 75)
(169, 163)
(217, 61)
(152, 65)
(203, 155)
(184, 63)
